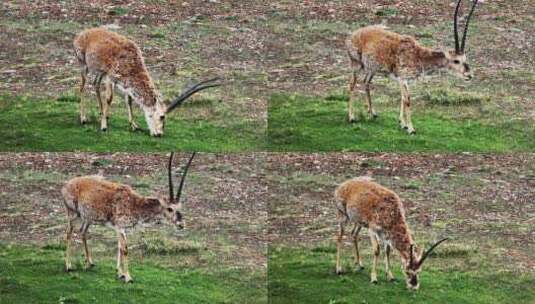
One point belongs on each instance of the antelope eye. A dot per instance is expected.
(162, 117)
(456, 61)
(169, 210)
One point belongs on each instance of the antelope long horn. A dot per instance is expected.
(210, 83)
(170, 176)
(455, 31)
(466, 25)
(179, 193)
(426, 254)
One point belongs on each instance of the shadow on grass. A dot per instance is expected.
(43, 125)
(33, 275)
(298, 275)
(298, 123)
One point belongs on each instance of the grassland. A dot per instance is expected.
(299, 123)
(308, 109)
(40, 76)
(287, 52)
(481, 202)
(306, 275)
(53, 125)
(219, 258)
(35, 275)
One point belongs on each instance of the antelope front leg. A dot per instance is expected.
(128, 101)
(83, 114)
(406, 104)
(402, 122)
(68, 245)
(119, 257)
(109, 96)
(352, 83)
(339, 240)
(103, 105)
(376, 253)
(123, 248)
(371, 111)
(356, 253)
(88, 258)
(389, 274)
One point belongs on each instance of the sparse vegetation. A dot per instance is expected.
(43, 125)
(445, 195)
(32, 275)
(299, 123)
(194, 265)
(305, 275)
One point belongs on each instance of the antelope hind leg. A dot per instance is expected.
(128, 102)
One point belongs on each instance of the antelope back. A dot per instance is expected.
(94, 193)
(371, 202)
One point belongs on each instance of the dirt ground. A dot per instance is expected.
(262, 46)
(224, 198)
(478, 200)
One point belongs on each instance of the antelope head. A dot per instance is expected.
(457, 62)
(155, 116)
(171, 206)
(413, 266)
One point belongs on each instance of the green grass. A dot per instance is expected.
(298, 275)
(43, 125)
(35, 275)
(298, 123)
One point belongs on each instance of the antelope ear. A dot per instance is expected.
(160, 200)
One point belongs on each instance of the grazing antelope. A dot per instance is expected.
(364, 203)
(95, 200)
(108, 54)
(373, 50)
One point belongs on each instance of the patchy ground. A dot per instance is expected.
(309, 111)
(483, 203)
(283, 46)
(477, 199)
(225, 214)
(180, 46)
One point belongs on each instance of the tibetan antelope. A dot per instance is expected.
(95, 200)
(119, 61)
(373, 49)
(364, 203)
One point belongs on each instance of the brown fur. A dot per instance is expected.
(117, 59)
(107, 202)
(373, 50)
(400, 55)
(95, 200)
(364, 203)
(378, 208)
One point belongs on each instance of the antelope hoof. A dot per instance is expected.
(68, 269)
(83, 121)
(352, 120)
(392, 279)
(374, 281)
(104, 129)
(339, 271)
(373, 115)
(89, 265)
(359, 268)
(411, 132)
(134, 128)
